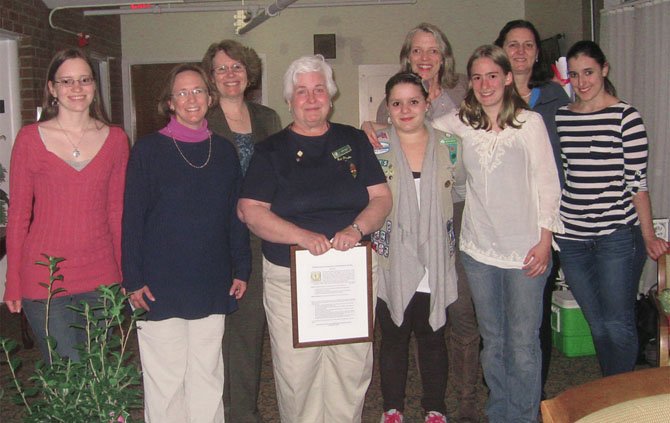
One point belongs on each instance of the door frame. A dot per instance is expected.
(10, 44)
(9, 71)
(129, 116)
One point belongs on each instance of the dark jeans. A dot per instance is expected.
(545, 329)
(603, 275)
(394, 355)
(61, 320)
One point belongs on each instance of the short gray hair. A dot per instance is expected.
(308, 64)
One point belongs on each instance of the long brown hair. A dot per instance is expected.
(50, 103)
(471, 112)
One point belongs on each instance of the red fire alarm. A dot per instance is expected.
(83, 39)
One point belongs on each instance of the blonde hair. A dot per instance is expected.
(447, 73)
(471, 112)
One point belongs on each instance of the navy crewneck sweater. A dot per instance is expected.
(181, 236)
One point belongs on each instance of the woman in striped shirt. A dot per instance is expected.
(605, 206)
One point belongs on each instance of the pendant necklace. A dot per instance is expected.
(75, 147)
(209, 155)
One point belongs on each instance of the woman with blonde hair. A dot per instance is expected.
(510, 213)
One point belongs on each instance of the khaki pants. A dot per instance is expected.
(316, 384)
(182, 369)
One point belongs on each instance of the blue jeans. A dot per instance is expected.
(509, 312)
(603, 274)
(61, 320)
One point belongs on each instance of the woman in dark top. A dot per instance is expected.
(316, 184)
(532, 78)
(186, 256)
(235, 70)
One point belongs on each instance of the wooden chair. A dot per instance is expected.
(663, 319)
(580, 401)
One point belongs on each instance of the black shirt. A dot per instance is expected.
(317, 183)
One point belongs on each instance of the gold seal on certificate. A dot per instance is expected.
(331, 296)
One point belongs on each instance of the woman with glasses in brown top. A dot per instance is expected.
(235, 70)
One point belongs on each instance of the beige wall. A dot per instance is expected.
(569, 17)
(365, 35)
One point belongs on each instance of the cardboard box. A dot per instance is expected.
(571, 334)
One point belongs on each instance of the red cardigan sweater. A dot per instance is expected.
(75, 215)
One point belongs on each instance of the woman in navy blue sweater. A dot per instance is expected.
(186, 255)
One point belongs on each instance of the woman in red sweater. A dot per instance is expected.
(67, 176)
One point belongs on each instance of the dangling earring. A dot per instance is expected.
(388, 119)
(331, 104)
(54, 102)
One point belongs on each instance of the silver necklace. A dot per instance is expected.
(75, 147)
(209, 155)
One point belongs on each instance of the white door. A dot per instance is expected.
(371, 82)
(10, 116)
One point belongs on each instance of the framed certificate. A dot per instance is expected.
(331, 296)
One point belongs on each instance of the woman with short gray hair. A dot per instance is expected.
(316, 184)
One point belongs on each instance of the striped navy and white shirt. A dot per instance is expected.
(604, 156)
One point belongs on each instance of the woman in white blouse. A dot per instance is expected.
(512, 208)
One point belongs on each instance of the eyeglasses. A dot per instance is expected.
(84, 81)
(236, 68)
(196, 92)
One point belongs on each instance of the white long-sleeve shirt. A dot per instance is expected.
(512, 189)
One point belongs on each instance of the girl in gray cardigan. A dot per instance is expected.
(416, 246)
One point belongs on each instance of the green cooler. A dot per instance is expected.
(570, 332)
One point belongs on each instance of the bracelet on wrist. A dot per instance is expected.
(358, 228)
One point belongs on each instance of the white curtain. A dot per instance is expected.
(635, 37)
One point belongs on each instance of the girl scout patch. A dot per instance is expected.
(384, 145)
(451, 141)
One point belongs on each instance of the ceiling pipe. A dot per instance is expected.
(169, 8)
(178, 8)
(279, 5)
(269, 12)
(56, 9)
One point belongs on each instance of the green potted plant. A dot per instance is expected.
(104, 386)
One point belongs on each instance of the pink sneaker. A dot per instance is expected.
(435, 417)
(392, 416)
